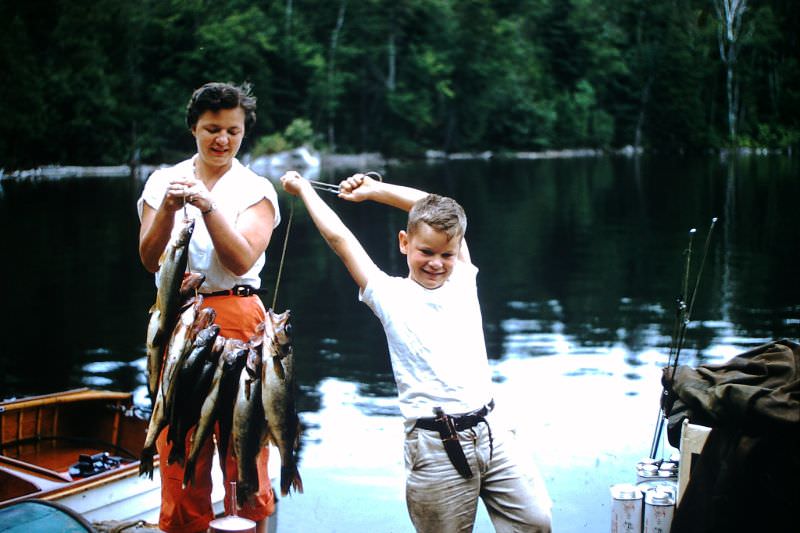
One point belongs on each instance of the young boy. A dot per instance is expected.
(454, 450)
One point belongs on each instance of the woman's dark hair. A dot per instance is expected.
(215, 96)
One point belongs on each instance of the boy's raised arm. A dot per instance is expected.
(333, 230)
(360, 187)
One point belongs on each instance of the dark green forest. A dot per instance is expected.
(92, 82)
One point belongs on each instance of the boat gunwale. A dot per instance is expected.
(56, 484)
(70, 396)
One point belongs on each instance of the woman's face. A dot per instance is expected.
(219, 135)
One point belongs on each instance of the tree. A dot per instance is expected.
(731, 32)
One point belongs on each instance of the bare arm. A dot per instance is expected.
(360, 187)
(238, 246)
(156, 227)
(333, 230)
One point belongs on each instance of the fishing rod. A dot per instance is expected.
(685, 323)
(680, 315)
(682, 319)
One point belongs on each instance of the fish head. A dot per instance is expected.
(205, 317)
(189, 312)
(186, 232)
(278, 331)
(257, 340)
(234, 352)
(253, 363)
(191, 282)
(219, 344)
(208, 335)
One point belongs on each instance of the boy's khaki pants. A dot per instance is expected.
(440, 500)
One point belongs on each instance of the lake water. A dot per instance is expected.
(581, 263)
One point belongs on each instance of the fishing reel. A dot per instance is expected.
(91, 465)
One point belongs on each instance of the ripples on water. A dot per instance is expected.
(580, 265)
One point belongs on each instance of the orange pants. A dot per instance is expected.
(189, 510)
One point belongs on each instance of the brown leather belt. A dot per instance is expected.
(448, 427)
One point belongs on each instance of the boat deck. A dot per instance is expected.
(43, 438)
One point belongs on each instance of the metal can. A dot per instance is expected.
(668, 469)
(667, 485)
(626, 508)
(646, 461)
(659, 506)
(646, 472)
(232, 524)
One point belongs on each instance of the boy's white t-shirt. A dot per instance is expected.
(236, 190)
(436, 342)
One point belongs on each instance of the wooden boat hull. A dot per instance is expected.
(42, 437)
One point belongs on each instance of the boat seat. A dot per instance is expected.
(693, 438)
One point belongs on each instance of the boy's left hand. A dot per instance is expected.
(357, 188)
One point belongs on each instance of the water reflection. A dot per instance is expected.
(580, 265)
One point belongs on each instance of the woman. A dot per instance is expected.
(235, 212)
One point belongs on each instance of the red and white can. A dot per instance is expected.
(626, 509)
(659, 506)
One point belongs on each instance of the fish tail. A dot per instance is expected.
(244, 493)
(290, 479)
(146, 464)
(188, 472)
(176, 454)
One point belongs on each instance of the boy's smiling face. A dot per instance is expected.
(431, 255)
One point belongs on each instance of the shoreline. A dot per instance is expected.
(364, 160)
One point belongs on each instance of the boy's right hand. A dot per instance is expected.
(357, 188)
(293, 182)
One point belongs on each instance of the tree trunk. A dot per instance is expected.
(729, 39)
(392, 66)
(645, 98)
(332, 92)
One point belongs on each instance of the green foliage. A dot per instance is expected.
(298, 133)
(775, 137)
(270, 144)
(93, 82)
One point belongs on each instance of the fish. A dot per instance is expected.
(191, 282)
(278, 396)
(219, 399)
(190, 390)
(160, 416)
(249, 431)
(191, 322)
(164, 312)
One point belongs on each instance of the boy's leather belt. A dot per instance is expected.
(237, 290)
(448, 427)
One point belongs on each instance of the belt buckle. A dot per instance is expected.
(241, 290)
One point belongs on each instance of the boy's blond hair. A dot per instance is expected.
(439, 212)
